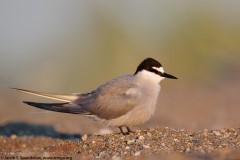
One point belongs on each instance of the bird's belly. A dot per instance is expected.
(137, 116)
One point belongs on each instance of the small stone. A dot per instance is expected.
(93, 142)
(163, 144)
(195, 140)
(116, 158)
(137, 153)
(138, 131)
(102, 154)
(188, 150)
(216, 133)
(238, 138)
(149, 134)
(84, 137)
(226, 135)
(131, 141)
(46, 154)
(202, 151)
(84, 146)
(141, 138)
(146, 146)
(13, 136)
(127, 147)
(205, 132)
(175, 140)
(24, 145)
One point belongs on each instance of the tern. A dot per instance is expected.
(125, 101)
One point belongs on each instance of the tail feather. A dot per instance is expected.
(60, 97)
(59, 107)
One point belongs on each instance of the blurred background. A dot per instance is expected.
(74, 46)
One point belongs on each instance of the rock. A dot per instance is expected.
(84, 137)
(13, 136)
(146, 146)
(217, 133)
(188, 150)
(149, 134)
(137, 153)
(127, 147)
(131, 141)
(141, 138)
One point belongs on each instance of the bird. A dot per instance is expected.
(126, 101)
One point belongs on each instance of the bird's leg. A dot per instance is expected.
(124, 133)
(120, 127)
(128, 129)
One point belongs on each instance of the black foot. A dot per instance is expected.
(128, 129)
(125, 133)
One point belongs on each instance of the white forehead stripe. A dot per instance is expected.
(159, 69)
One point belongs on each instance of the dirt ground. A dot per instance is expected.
(154, 143)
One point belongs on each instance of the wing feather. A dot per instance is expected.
(59, 107)
(60, 97)
(111, 100)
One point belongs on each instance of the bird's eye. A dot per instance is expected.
(154, 71)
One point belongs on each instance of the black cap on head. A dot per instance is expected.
(147, 64)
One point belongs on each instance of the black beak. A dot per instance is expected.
(169, 76)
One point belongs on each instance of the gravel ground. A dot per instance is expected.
(152, 143)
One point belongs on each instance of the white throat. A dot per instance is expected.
(153, 77)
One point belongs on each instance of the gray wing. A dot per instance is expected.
(111, 100)
(59, 107)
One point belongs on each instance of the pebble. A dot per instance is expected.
(46, 154)
(149, 134)
(195, 140)
(84, 146)
(226, 135)
(131, 141)
(188, 150)
(84, 137)
(176, 140)
(127, 147)
(116, 158)
(238, 137)
(102, 154)
(146, 146)
(137, 153)
(141, 138)
(217, 133)
(13, 136)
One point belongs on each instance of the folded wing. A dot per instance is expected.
(111, 100)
